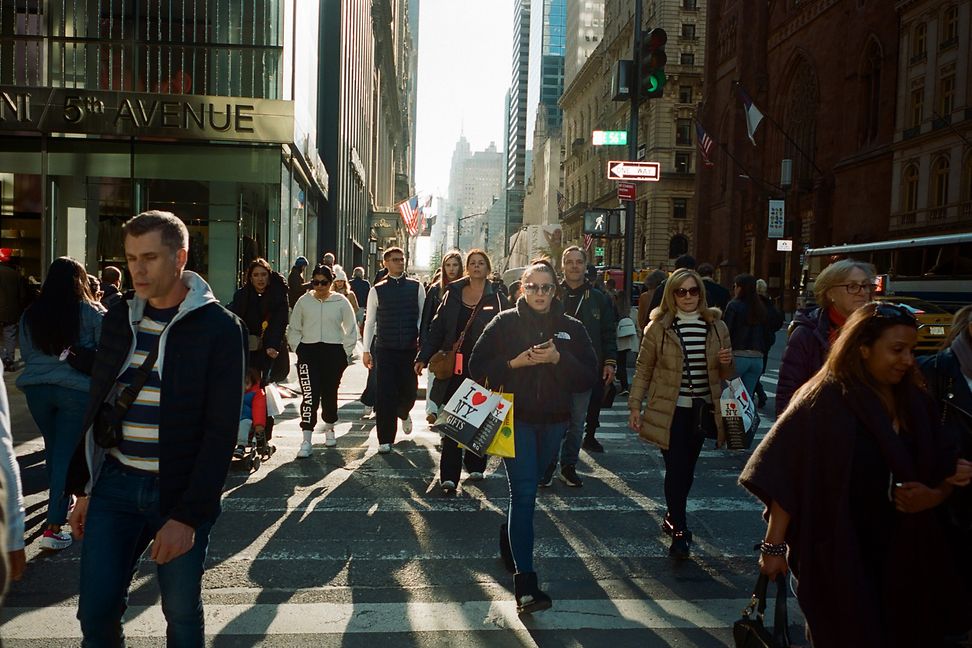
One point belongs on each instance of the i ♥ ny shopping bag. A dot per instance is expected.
(502, 444)
(469, 417)
(738, 415)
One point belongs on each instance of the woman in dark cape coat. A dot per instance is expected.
(869, 575)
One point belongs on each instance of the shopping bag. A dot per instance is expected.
(275, 404)
(464, 418)
(738, 415)
(502, 444)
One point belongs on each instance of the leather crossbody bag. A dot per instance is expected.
(443, 363)
(108, 421)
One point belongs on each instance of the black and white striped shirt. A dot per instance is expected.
(692, 330)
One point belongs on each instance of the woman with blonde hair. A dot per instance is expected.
(840, 289)
(852, 476)
(449, 270)
(685, 354)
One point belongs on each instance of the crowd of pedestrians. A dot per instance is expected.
(864, 510)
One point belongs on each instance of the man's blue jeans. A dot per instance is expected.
(123, 518)
(58, 413)
(579, 404)
(536, 447)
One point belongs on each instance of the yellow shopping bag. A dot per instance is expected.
(502, 444)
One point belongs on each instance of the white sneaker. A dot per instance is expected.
(329, 440)
(55, 540)
(368, 411)
(384, 448)
(407, 425)
(305, 450)
(476, 476)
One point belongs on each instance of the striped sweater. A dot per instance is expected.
(139, 448)
(692, 330)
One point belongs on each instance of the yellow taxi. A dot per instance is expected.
(934, 321)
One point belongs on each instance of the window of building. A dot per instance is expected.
(687, 58)
(909, 189)
(685, 94)
(680, 208)
(688, 31)
(917, 107)
(683, 132)
(940, 169)
(870, 92)
(919, 42)
(683, 161)
(949, 27)
(946, 96)
(677, 246)
(690, 5)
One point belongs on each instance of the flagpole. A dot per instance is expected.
(766, 116)
(763, 183)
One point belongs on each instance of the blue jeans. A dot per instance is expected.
(579, 405)
(59, 413)
(749, 369)
(123, 518)
(536, 447)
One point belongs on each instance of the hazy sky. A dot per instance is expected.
(464, 72)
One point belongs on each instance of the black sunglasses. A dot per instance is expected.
(897, 312)
(319, 282)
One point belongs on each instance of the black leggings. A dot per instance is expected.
(319, 369)
(680, 459)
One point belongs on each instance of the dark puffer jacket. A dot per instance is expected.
(805, 353)
(201, 360)
(272, 307)
(542, 393)
(599, 317)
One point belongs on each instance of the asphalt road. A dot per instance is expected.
(351, 548)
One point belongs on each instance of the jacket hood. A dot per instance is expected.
(709, 315)
(200, 294)
(524, 310)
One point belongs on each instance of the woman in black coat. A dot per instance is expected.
(470, 298)
(853, 475)
(262, 305)
(542, 357)
(449, 271)
(948, 377)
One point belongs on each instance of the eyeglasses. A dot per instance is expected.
(543, 289)
(856, 288)
(319, 282)
(898, 312)
(682, 292)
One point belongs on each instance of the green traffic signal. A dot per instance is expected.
(652, 62)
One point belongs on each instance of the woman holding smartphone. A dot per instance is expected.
(684, 356)
(541, 356)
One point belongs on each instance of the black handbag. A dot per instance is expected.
(107, 426)
(749, 631)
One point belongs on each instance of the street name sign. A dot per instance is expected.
(634, 171)
(609, 138)
(627, 191)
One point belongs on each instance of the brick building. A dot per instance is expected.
(824, 72)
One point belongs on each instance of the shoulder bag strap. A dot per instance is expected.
(472, 316)
(130, 393)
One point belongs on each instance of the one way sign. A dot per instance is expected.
(634, 171)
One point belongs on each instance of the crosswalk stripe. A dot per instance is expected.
(263, 619)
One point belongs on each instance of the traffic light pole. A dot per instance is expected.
(629, 217)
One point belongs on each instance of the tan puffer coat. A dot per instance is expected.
(658, 373)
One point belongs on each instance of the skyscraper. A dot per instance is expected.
(552, 59)
(517, 110)
(585, 28)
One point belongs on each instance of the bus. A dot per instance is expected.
(937, 269)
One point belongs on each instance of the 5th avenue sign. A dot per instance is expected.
(134, 114)
(634, 171)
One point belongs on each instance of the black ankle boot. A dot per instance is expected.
(529, 598)
(680, 546)
(506, 552)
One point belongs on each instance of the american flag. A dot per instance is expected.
(588, 239)
(412, 213)
(705, 143)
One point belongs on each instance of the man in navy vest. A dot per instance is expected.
(392, 329)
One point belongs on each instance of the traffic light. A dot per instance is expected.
(652, 61)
